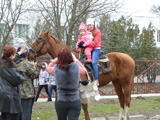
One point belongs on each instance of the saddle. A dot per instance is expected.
(103, 64)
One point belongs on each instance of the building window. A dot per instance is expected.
(2, 30)
(158, 35)
(2, 26)
(21, 30)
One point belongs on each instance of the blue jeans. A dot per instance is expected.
(95, 57)
(52, 87)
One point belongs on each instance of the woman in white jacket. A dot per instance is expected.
(43, 80)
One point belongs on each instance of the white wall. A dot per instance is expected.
(145, 79)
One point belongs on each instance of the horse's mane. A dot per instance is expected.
(55, 39)
(58, 41)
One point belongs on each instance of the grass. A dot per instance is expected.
(102, 108)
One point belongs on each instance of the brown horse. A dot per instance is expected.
(121, 75)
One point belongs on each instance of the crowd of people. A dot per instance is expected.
(63, 73)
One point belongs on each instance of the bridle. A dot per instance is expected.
(39, 49)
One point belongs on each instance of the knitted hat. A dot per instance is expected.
(82, 27)
(24, 55)
(90, 21)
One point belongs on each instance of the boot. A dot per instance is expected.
(89, 60)
(95, 85)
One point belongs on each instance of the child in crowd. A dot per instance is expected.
(84, 41)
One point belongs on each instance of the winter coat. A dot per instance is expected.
(29, 71)
(96, 43)
(43, 77)
(10, 100)
(87, 39)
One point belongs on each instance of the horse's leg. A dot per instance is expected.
(119, 91)
(85, 109)
(127, 97)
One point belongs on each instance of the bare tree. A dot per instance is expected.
(155, 10)
(10, 11)
(40, 27)
(65, 15)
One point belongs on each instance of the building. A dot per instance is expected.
(21, 29)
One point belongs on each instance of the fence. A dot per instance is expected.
(140, 83)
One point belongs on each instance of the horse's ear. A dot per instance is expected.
(47, 32)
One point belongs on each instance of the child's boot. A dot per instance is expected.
(89, 60)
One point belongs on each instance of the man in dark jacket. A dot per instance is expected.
(10, 104)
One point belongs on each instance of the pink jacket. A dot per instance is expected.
(51, 67)
(85, 38)
(97, 39)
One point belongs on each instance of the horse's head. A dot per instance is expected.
(40, 46)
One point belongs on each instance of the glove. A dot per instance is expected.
(80, 45)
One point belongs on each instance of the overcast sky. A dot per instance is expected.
(139, 10)
(140, 7)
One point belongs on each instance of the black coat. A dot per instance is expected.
(10, 100)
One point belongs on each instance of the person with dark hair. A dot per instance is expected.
(30, 72)
(10, 101)
(43, 80)
(67, 70)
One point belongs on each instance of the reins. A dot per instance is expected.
(36, 51)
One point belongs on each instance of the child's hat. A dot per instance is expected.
(82, 27)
